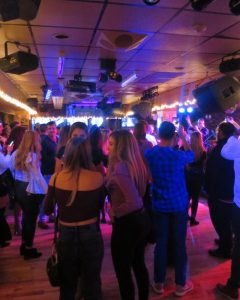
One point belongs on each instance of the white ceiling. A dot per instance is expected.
(171, 42)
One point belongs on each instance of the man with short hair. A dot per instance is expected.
(170, 205)
(219, 182)
(49, 147)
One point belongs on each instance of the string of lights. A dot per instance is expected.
(17, 103)
(173, 105)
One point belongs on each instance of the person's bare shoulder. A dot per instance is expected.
(90, 180)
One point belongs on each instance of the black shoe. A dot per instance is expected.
(193, 222)
(227, 291)
(23, 249)
(4, 244)
(219, 253)
(43, 225)
(31, 253)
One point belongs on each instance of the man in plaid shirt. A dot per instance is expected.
(170, 205)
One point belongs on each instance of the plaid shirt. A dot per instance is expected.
(169, 193)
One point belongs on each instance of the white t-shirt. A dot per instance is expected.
(231, 151)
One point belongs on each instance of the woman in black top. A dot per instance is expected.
(194, 174)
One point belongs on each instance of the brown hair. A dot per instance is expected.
(77, 155)
(30, 144)
(127, 150)
(196, 143)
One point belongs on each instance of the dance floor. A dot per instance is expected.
(27, 280)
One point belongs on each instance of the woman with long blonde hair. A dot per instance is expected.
(195, 173)
(126, 184)
(29, 186)
(78, 191)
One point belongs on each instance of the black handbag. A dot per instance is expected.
(52, 266)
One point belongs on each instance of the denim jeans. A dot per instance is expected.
(234, 280)
(80, 251)
(127, 245)
(178, 223)
(29, 204)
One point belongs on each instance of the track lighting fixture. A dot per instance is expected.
(200, 4)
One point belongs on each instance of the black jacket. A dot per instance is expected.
(219, 175)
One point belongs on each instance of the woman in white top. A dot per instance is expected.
(29, 186)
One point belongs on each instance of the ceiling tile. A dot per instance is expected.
(77, 37)
(219, 45)
(168, 42)
(54, 51)
(120, 17)
(68, 14)
(232, 32)
(17, 33)
(154, 55)
(184, 22)
(68, 63)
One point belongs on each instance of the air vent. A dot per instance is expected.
(124, 40)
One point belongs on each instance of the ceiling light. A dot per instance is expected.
(115, 76)
(129, 79)
(47, 92)
(60, 64)
(200, 4)
(189, 109)
(181, 110)
(235, 7)
(151, 2)
(57, 102)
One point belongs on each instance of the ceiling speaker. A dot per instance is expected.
(120, 40)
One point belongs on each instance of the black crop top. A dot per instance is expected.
(86, 205)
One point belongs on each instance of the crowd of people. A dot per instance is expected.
(152, 184)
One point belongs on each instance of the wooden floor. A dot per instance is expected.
(26, 280)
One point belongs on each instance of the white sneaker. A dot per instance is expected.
(182, 290)
(158, 288)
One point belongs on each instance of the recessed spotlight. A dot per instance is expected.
(60, 36)
(151, 2)
(179, 68)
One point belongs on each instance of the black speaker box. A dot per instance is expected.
(19, 62)
(230, 67)
(218, 95)
(32, 102)
(108, 64)
(19, 9)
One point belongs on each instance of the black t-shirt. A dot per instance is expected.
(48, 153)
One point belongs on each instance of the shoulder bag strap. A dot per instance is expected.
(55, 213)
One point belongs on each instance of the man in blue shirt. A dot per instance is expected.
(170, 205)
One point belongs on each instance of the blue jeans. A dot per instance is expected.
(80, 251)
(30, 208)
(234, 280)
(42, 217)
(178, 223)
